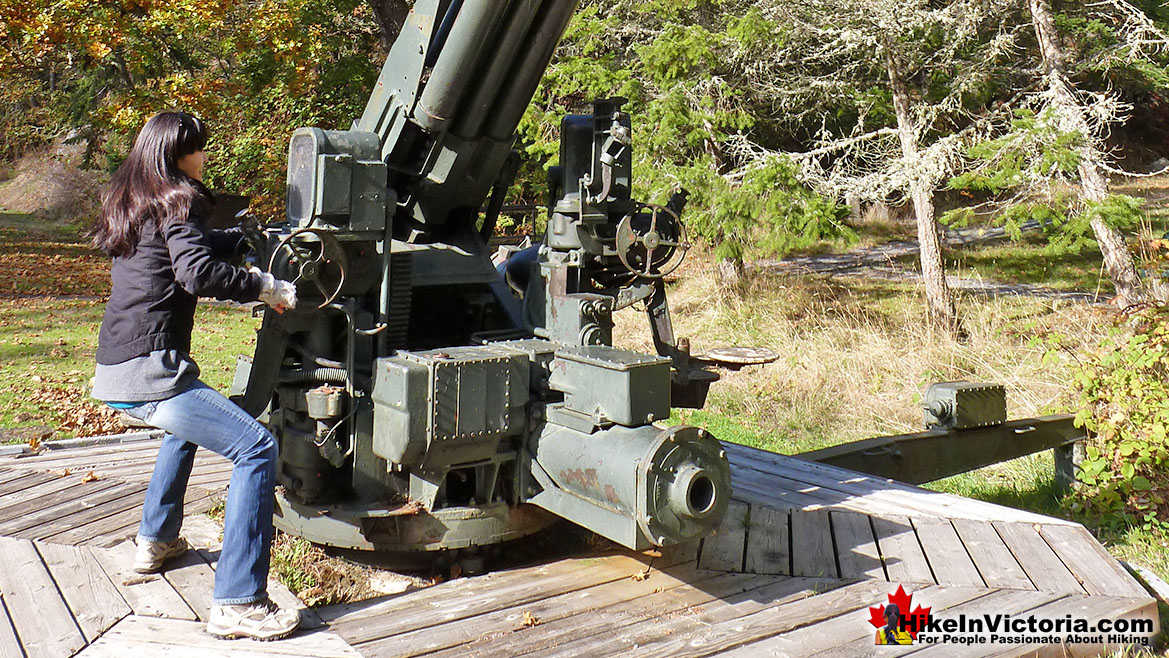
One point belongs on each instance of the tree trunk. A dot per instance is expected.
(1093, 183)
(390, 15)
(712, 147)
(939, 298)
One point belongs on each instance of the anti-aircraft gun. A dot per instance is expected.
(419, 404)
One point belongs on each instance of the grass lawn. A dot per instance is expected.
(52, 296)
(1026, 261)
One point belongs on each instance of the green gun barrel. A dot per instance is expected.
(639, 486)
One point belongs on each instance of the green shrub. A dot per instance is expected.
(1124, 402)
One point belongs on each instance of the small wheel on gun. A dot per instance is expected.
(637, 241)
(310, 263)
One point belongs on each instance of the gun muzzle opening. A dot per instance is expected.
(693, 494)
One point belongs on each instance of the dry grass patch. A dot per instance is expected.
(855, 356)
(314, 576)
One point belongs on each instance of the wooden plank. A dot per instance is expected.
(495, 583)
(782, 492)
(1010, 602)
(194, 580)
(92, 598)
(727, 623)
(655, 633)
(1096, 570)
(8, 473)
(42, 620)
(9, 643)
(577, 605)
(723, 551)
(856, 546)
(96, 507)
(429, 607)
(782, 483)
(994, 560)
(84, 452)
(872, 494)
(87, 457)
(121, 525)
(947, 556)
(87, 510)
(775, 500)
(812, 552)
(17, 502)
(676, 554)
(900, 551)
(836, 635)
(141, 471)
(202, 532)
(1093, 608)
(56, 506)
(1043, 566)
(101, 533)
(1007, 602)
(604, 621)
(768, 542)
(147, 595)
(51, 506)
(149, 637)
(26, 481)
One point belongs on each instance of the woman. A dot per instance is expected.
(163, 259)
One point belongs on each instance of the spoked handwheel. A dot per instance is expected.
(313, 260)
(653, 248)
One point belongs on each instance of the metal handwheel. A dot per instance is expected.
(634, 244)
(311, 266)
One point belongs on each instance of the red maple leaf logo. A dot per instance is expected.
(911, 622)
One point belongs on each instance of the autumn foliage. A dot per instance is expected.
(94, 71)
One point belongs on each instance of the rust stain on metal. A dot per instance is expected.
(611, 495)
(586, 478)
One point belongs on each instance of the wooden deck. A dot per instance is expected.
(803, 552)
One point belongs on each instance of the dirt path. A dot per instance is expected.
(882, 262)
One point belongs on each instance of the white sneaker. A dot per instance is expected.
(151, 554)
(262, 620)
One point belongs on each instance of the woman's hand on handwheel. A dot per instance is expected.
(279, 294)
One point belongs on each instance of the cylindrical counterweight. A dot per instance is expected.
(640, 487)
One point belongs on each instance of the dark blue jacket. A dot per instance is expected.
(152, 303)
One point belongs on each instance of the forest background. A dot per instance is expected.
(798, 128)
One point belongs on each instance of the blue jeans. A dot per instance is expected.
(200, 416)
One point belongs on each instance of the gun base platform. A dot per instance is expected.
(406, 529)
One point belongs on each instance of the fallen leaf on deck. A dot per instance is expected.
(641, 575)
(89, 477)
(530, 620)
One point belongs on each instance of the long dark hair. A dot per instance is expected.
(149, 186)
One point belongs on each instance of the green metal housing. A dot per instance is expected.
(420, 403)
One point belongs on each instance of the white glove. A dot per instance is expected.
(280, 295)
